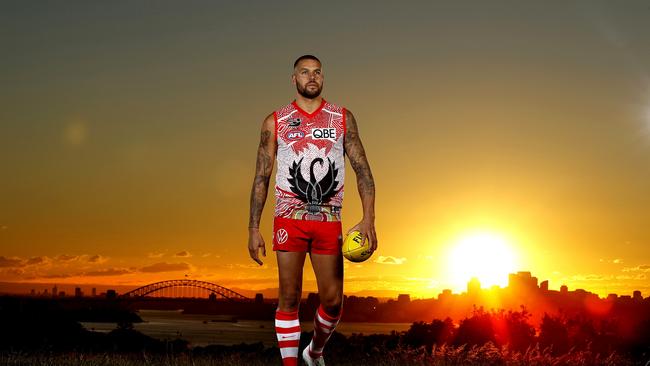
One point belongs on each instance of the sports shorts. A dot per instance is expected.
(317, 237)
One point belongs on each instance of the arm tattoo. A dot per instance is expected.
(357, 155)
(263, 169)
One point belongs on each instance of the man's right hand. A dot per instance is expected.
(255, 243)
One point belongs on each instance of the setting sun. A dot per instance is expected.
(486, 256)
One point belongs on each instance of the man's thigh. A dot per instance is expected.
(328, 269)
(290, 265)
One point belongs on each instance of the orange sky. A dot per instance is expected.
(129, 136)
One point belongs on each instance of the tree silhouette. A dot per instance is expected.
(476, 330)
(554, 335)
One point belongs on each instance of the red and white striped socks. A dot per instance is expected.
(324, 325)
(287, 328)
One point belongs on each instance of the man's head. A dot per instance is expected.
(308, 76)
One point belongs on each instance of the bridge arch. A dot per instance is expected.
(156, 286)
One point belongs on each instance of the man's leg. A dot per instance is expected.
(329, 277)
(287, 324)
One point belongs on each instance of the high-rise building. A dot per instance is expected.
(77, 292)
(445, 294)
(544, 285)
(401, 298)
(473, 286)
(522, 280)
(94, 291)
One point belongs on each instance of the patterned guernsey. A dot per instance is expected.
(310, 162)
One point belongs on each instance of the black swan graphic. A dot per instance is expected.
(312, 192)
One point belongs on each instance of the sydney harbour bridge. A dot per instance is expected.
(185, 288)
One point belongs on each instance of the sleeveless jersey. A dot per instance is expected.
(310, 162)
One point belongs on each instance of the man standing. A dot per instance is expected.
(309, 138)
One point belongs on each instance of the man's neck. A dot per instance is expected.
(308, 105)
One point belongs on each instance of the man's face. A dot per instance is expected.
(308, 78)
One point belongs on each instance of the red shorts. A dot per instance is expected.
(318, 237)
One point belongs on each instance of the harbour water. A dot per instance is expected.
(201, 330)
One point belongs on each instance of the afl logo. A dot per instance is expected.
(281, 236)
(294, 135)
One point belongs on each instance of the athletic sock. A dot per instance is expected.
(324, 325)
(287, 329)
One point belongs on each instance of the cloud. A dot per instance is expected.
(166, 267)
(13, 271)
(184, 254)
(640, 268)
(57, 275)
(589, 277)
(638, 276)
(246, 265)
(614, 261)
(67, 258)
(108, 272)
(12, 262)
(97, 258)
(390, 260)
(155, 255)
(38, 260)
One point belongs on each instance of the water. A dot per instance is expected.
(201, 331)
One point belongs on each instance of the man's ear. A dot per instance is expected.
(293, 79)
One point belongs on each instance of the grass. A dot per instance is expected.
(486, 354)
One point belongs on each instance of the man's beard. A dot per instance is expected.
(308, 94)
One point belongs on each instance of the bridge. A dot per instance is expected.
(191, 284)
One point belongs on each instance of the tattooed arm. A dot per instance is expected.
(365, 183)
(263, 168)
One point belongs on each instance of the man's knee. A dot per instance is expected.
(332, 306)
(289, 300)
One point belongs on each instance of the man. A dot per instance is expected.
(309, 138)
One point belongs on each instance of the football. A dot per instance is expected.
(354, 249)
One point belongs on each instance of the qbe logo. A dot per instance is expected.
(323, 133)
(281, 236)
(295, 135)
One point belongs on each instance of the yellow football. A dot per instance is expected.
(354, 249)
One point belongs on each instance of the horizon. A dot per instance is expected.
(27, 287)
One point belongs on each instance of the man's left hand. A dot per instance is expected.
(367, 230)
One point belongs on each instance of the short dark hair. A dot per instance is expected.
(305, 57)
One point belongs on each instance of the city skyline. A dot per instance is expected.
(521, 281)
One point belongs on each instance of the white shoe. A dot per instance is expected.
(311, 361)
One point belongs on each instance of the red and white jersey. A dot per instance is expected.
(310, 162)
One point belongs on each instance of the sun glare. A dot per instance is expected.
(485, 256)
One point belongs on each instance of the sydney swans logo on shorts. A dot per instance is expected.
(281, 236)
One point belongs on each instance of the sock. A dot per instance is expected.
(287, 328)
(324, 325)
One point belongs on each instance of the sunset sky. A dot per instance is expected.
(129, 132)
